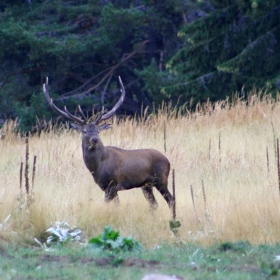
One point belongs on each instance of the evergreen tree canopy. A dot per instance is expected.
(82, 46)
(235, 45)
(163, 50)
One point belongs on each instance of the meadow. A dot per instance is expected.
(226, 176)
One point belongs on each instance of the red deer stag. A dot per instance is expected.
(115, 169)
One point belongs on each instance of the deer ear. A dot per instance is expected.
(104, 126)
(76, 126)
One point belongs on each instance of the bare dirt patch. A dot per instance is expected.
(105, 261)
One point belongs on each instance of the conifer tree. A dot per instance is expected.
(82, 46)
(235, 45)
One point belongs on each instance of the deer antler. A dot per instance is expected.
(64, 113)
(102, 117)
(108, 115)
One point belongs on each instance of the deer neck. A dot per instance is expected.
(93, 156)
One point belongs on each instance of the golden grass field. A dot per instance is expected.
(221, 147)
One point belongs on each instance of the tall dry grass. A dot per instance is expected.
(219, 146)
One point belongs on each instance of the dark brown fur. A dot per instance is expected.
(115, 169)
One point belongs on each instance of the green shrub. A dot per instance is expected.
(111, 240)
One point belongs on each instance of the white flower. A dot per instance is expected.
(277, 258)
(63, 233)
(3, 225)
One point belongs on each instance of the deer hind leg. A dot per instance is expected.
(162, 188)
(168, 197)
(148, 194)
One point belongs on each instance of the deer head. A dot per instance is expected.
(89, 130)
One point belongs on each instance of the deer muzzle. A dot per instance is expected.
(94, 139)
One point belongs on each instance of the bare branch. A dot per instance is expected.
(109, 71)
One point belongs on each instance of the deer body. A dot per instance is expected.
(126, 169)
(115, 169)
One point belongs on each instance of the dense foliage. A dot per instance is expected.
(82, 46)
(235, 47)
(161, 49)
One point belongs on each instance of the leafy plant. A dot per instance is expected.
(111, 240)
(241, 246)
(174, 226)
(63, 234)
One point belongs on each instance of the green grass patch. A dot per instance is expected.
(238, 260)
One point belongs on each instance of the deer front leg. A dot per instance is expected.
(111, 194)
